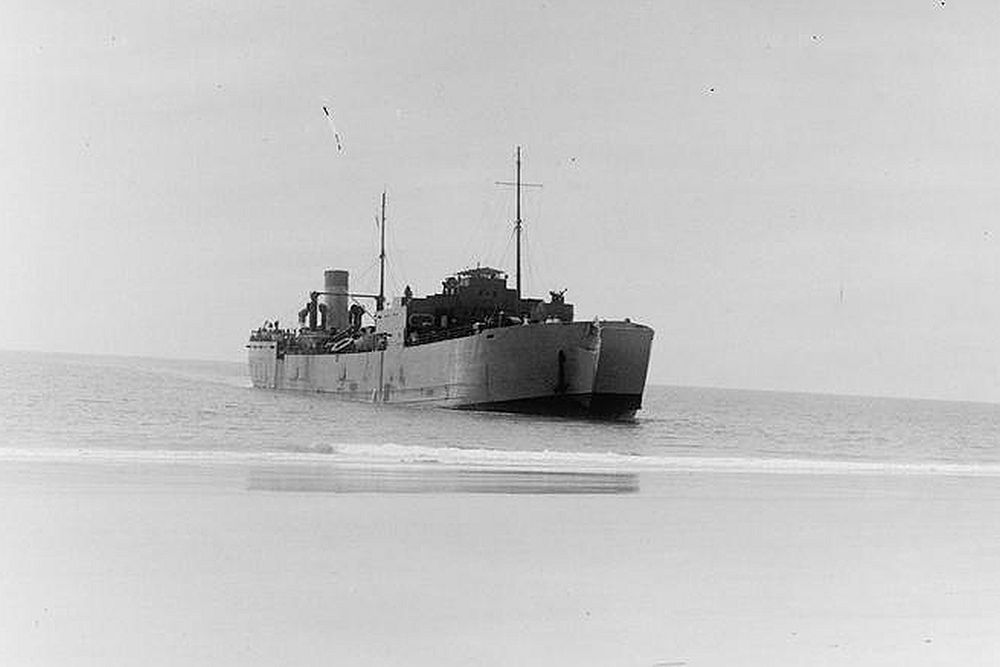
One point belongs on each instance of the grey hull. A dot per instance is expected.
(590, 369)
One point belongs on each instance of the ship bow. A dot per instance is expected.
(622, 363)
(595, 370)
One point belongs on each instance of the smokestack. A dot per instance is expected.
(335, 283)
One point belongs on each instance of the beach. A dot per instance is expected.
(259, 562)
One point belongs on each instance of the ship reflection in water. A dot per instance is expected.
(428, 479)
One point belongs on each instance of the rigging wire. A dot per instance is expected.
(501, 217)
(472, 248)
(364, 274)
(533, 254)
(492, 236)
(394, 287)
(374, 262)
(507, 248)
(538, 249)
(396, 256)
(529, 277)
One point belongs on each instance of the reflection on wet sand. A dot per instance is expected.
(428, 479)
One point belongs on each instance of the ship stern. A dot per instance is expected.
(262, 360)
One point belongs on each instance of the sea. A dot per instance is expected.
(62, 405)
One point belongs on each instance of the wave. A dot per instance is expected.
(611, 461)
(390, 454)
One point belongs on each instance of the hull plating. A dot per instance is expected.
(578, 369)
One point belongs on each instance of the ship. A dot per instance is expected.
(478, 344)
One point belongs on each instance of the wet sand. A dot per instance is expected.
(159, 563)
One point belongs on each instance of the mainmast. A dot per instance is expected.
(517, 224)
(380, 303)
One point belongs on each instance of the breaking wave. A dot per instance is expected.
(389, 455)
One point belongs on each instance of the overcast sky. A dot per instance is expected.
(795, 195)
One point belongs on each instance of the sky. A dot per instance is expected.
(796, 195)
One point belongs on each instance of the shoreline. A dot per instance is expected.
(391, 457)
(199, 564)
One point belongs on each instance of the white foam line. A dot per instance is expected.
(627, 463)
(395, 455)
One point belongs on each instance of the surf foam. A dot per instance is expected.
(390, 454)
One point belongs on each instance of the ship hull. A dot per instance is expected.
(578, 369)
(589, 405)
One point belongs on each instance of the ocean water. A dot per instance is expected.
(61, 405)
(165, 513)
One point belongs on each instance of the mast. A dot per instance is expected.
(517, 224)
(380, 304)
(517, 221)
